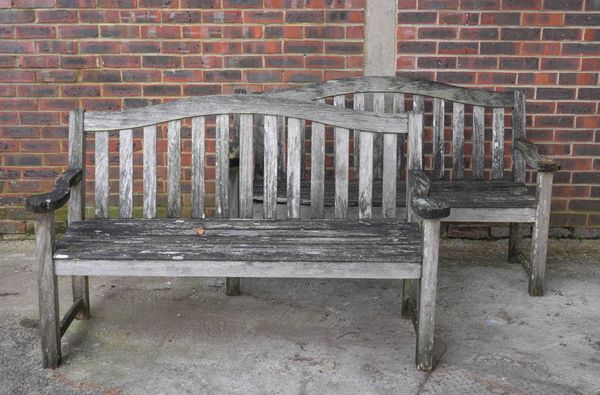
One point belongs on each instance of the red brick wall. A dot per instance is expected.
(549, 47)
(56, 55)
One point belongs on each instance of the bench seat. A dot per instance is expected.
(240, 248)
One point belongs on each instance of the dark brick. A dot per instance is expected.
(547, 121)
(56, 16)
(561, 34)
(161, 61)
(56, 76)
(567, 5)
(78, 62)
(78, 31)
(40, 174)
(182, 17)
(490, 33)
(253, 62)
(333, 62)
(81, 90)
(589, 94)
(21, 132)
(497, 78)
(162, 90)
(581, 49)
(577, 107)
(427, 47)
(23, 160)
(581, 177)
(37, 118)
(417, 17)
(303, 47)
(520, 34)
(586, 149)
(222, 75)
(56, 47)
(456, 77)
(263, 76)
(480, 5)
(35, 32)
(521, 4)
(437, 32)
(588, 205)
(200, 90)
(242, 3)
(501, 18)
(324, 32)
(10, 17)
(304, 16)
(99, 16)
(141, 75)
(436, 63)
(99, 47)
(585, 19)
(459, 48)
(592, 5)
(205, 4)
(284, 61)
(16, 47)
(122, 90)
(344, 47)
(438, 4)
(560, 64)
(141, 46)
(100, 76)
(477, 63)
(345, 16)
(519, 63)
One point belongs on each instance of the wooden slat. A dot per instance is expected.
(518, 132)
(222, 167)
(418, 104)
(365, 179)
(150, 172)
(458, 140)
(438, 138)
(198, 155)
(498, 144)
(259, 146)
(317, 170)
(400, 109)
(246, 165)
(539, 234)
(491, 214)
(294, 152)
(341, 165)
(281, 153)
(126, 173)
(101, 174)
(76, 161)
(174, 169)
(240, 104)
(359, 105)
(478, 141)
(379, 108)
(270, 167)
(415, 151)
(390, 152)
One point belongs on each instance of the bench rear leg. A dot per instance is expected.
(80, 286)
(514, 243)
(232, 286)
(426, 319)
(409, 296)
(47, 291)
(539, 235)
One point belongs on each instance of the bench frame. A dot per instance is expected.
(70, 187)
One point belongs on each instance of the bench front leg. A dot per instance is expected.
(47, 291)
(539, 235)
(428, 286)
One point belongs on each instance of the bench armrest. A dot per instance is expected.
(47, 202)
(534, 159)
(420, 202)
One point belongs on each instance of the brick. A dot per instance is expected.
(543, 19)
(458, 18)
(56, 47)
(519, 63)
(208, 62)
(589, 205)
(242, 31)
(222, 75)
(480, 5)
(182, 17)
(222, 48)
(586, 149)
(35, 31)
(78, 31)
(438, 4)
(592, 35)
(12, 226)
(326, 62)
(520, 34)
(590, 64)
(121, 90)
(578, 79)
(585, 19)
(8, 61)
(18, 104)
(436, 63)
(560, 64)
(540, 48)
(294, 16)
(10, 17)
(261, 47)
(573, 135)
(561, 34)
(199, 90)
(414, 18)
(79, 62)
(57, 105)
(7, 31)
(537, 78)
(479, 33)
(355, 32)
(477, 62)
(56, 76)
(566, 5)
(39, 62)
(16, 47)
(81, 90)
(586, 177)
(99, 47)
(202, 31)
(263, 16)
(500, 48)
(120, 61)
(289, 32)
(205, 4)
(181, 47)
(303, 47)
(547, 121)
(344, 16)
(101, 76)
(581, 49)
(161, 61)
(162, 90)
(222, 17)
(161, 32)
(9, 118)
(324, 32)
(458, 48)
(344, 47)
(288, 61)
(263, 76)
(140, 46)
(456, 77)
(19, 132)
(406, 33)
(37, 118)
(102, 104)
(588, 122)
(23, 160)
(427, 47)
(496, 78)
(140, 16)
(589, 94)
(243, 62)
(115, 4)
(17, 76)
(592, 5)
(99, 16)
(521, 4)
(242, 3)
(504, 18)
(437, 32)
(302, 76)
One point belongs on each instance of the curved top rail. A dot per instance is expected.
(397, 84)
(244, 104)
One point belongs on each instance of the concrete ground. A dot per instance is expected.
(170, 336)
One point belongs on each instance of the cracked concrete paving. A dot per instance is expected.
(169, 336)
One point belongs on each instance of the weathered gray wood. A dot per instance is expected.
(48, 202)
(438, 138)
(246, 166)
(488, 214)
(378, 108)
(399, 109)
(529, 152)
(174, 169)
(281, 153)
(259, 146)
(478, 141)
(420, 202)
(515, 237)
(415, 151)
(397, 84)
(365, 179)
(101, 174)
(149, 199)
(47, 291)
(498, 144)
(418, 104)
(198, 163)
(71, 314)
(518, 132)
(222, 167)
(359, 105)
(270, 167)
(241, 104)
(539, 234)
(458, 140)
(232, 284)
(294, 152)
(428, 286)
(390, 159)
(126, 173)
(341, 165)
(76, 161)
(317, 170)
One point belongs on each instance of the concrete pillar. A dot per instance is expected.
(380, 37)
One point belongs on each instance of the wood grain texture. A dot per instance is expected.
(317, 170)
(76, 161)
(379, 104)
(415, 152)
(478, 142)
(539, 234)
(48, 202)
(198, 166)
(270, 167)
(498, 144)
(242, 104)
(529, 152)
(397, 84)
(399, 108)
(222, 167)
(418, 104)
(149, 199)
(70, 315)
(281, 152)
(518, 132)
(491, 214)
(420, 201)
(358, 105)
(246, 166)
(174, 169)
(365, 178)
(458, 141)
(390, 165)
(342, 142)
(126, 173)
(438, 138)
(101, 174)
(294, 152)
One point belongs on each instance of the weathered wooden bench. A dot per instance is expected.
(223, 246)
(481, 177)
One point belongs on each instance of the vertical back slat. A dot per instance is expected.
(415, 152)
(101, 174)
(317, 169)
(390, 158)
(246, 166)
(77, 161)
(126, 173)
(174, 169)
(498, 144)
(198, 154)
(518, 132)
(270, 167)
(458, 140)
(418, 104)
(150, 172)
(259, 146)
(398, 109)
(341, 165)
(365, 177)
(222, 167)
(378, 107)
(478, 139)
(281, 154)
(438, 138)
(359, 105)
(294, 152)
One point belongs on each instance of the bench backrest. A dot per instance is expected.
(387, 94)
(275, 112)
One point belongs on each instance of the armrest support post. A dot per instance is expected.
(420, 202)
(533, 158)
(51, 201)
